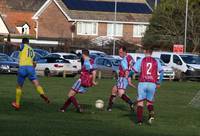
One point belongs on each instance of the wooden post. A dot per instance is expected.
(99, 74)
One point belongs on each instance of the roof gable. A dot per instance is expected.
(3, 27)
(107, 6)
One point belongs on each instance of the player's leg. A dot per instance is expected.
(122, 86)
(140, 102)
(76, 88)
(150, 96)
(71, 94)
(40, 90)
(20, 81)
(33, 78)
(112, 98)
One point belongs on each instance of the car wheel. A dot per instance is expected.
(182, 77)
(46, 72)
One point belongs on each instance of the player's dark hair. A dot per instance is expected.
(25, 41)
(123, 48)
(82, 61)
(85, 52)
(149, 49)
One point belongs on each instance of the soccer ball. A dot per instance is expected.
(99, 104)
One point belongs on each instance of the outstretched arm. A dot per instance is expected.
(94, 77)
(13, 44)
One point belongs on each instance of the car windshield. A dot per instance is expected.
(71, 57)
(191, 59)
(5, 58)
(116, 62)
(161, 62)
(41, 52)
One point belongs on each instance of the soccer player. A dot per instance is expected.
(87, 79)
(123, 80)
(26, 69)
(148, 69)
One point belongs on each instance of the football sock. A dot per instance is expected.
(126, 99)
(67, 103)
(75, 102)
(111, 99)
(150, 108)
(18, 95)
(40, 90)
(139, 113)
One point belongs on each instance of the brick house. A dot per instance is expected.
(91, 19)
(17, 16)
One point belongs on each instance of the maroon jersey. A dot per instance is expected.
(125, 65)
(149, 69)
(86, 73)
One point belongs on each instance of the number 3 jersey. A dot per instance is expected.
(148, 68)
(26, 55)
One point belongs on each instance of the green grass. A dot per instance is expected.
(173, 115)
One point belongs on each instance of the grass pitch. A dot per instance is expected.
(174, 115)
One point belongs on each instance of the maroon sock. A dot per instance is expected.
(67, 103)
(111, 99)
(75, 102)
(150, 108)
(126, 99)
(139, 113)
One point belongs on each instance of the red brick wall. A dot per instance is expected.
(53, 24)
(102, 30)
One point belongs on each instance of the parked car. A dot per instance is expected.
(95, 55)
(42, 52)
(187, 66)
(72, 58)
(109, 66)
(169, 73)
(55, 66)
(7, 64)
(15, 56)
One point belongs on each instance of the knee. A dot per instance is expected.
(121, 92)
(71, 93)
(18, 87)
(149, 103)
(140, 103)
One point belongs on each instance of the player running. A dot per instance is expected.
(148, 69)
(123, 80)
(26, 69)
(87, 79)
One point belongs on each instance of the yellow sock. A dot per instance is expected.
(40, 90)
(18, 95)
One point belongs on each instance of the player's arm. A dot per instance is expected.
(131, 73)
(94, 73)
(161, 72)
(91, 68)
(13, 44)
(136, 67)
(124, 64)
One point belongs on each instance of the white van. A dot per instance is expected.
(188, 64)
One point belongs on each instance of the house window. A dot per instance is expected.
(87, 28)
(139, 30)
(23, 29)
(118, 31)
